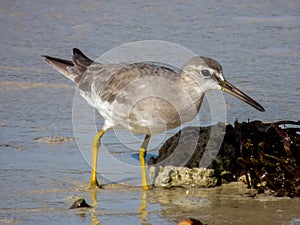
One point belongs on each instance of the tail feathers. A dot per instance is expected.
(80, 59)
(74, 69)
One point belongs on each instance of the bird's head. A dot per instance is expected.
(208, 74)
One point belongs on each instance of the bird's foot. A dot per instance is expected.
(146, 187)
(94, 185)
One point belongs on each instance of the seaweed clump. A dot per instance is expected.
(269, 154)
(266, 154)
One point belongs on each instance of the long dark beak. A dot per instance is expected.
(229, 88)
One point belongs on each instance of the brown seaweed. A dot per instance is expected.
(269, 154)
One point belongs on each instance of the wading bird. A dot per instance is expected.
(143, 98)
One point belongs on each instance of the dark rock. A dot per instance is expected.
(80, 203)
(193, 157)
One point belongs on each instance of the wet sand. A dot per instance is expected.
(117, 204)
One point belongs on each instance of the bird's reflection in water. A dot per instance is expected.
(94, 216)
(142, 209)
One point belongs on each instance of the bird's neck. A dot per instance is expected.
(193, 95)
(191, 85)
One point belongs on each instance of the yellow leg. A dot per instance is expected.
(143, 152)
(95, 147)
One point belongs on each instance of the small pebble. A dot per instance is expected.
(190, 221)
(80, 203)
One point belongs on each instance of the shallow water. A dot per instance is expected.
(256, 43)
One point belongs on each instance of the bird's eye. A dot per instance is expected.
(205, 73)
